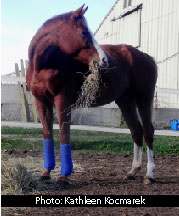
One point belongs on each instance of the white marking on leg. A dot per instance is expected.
(137, 159)
(102, 56)
(150, 164)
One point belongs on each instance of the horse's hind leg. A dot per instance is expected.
(145, 110)
(128, 108)
(45, 110)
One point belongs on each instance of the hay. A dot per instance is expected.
(20, 176)
(15, 179)
(90, 88)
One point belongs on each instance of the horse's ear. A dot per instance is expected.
(79, 12)
(84, 10)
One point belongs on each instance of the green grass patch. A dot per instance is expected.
(85, 141)
(17, 130)
(20, 144)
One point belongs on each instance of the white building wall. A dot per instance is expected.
(154, 29)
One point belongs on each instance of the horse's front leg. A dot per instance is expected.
(45, 110)
(62, 103)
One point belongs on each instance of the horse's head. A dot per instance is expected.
(77, 37)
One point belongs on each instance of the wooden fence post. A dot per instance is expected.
(24, 104)
(23, 94)
(34, 108)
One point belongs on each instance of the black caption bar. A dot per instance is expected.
(90, 200)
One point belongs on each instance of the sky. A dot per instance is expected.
(20, 20)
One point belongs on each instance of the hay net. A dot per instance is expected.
(90, 88)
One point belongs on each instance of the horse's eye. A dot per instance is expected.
(85, 33)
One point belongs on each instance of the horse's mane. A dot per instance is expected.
(50, 21)
(45, 30)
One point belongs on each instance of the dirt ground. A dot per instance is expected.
(96, 174)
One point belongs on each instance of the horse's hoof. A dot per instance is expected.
(44, 178)
(149, 181)
(130, 177)
(62, 180)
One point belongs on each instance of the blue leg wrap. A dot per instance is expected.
(49, 155)
(66, 160)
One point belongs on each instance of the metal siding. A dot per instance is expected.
(120, 30)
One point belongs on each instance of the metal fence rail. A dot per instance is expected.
(160, 100)
(164, 97)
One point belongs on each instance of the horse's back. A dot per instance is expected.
(131, 55)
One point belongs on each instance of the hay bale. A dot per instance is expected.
(90, 88)
(19, 176)
(16, 179)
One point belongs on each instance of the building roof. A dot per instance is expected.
(106, 16)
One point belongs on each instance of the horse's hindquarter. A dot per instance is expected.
(130, 68)
(144, 71)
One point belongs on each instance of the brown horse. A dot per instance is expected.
(64, 46)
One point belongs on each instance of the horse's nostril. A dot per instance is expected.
(103, 60)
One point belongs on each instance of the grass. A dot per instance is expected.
(85, 141)
(17, 130)
(20, 177)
